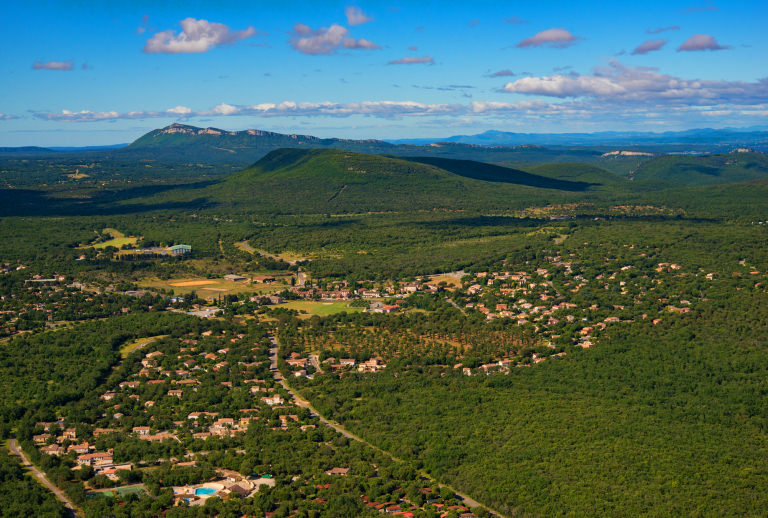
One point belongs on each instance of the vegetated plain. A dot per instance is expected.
(657, 262)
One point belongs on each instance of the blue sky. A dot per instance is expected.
(90, 73)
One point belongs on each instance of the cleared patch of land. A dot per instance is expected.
(318, 308)
(136, 489)
(133, 345)
(211, 288)
(287, 256)
(193, 283)
(451, 279)
(118, 239)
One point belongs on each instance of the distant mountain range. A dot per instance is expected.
(179, 142)
(180, 149)
(695, 140)
(182, 142)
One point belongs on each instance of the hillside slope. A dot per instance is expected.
(576, 172)
(179, 142)
(703, 170)
(496, 173)
(333, 181)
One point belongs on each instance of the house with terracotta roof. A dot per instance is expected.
(338, 471)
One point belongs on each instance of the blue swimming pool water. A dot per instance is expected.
(204, 491)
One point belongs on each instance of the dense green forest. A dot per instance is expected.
(20, 495)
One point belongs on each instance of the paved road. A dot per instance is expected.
(39, 475)
(314, 360)
(452, 303)
(273, 353)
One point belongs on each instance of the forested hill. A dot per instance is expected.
(334, 181)
(704, 170)
(246, 147)
(211, 145)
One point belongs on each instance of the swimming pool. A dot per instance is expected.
(201, 491)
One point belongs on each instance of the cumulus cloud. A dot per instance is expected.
(196, 36)
(662, 29)
(649, 46)
(553, 38)
(515, 20)
(355, 16)
(701, 42)
(7, 117)
(502, 73)
(52, 65)
(408, 60)
(618, 83)
(326, 40)
(382, 109)
(584, 110)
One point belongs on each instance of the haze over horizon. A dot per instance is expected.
(99, 75)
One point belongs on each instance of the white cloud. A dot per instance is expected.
(7, 117)
(325, 40)
(383, 109)
(649, 46)
(553, 38)
(196, 36)
(598, 106)
(701, 42)
(515, 20)
(412, 61)
(641, 84)
(53, 65)
(180, 110)
(355, 16)
(224, 109)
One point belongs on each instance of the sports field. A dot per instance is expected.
(210, 288)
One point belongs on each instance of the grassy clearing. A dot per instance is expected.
(118, 239)
(131, 346)
(122, 491)
(449, 279)
(287, 256)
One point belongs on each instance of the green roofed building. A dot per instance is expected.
(180, 249)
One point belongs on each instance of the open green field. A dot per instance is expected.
(287, 256)
(137, 489)
(118, 239)
(318, 308)
(132, 345)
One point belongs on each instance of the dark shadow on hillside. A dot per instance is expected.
(495, 173)
(701, 169)
(508, 221)
(29, 202)
(482, 221)
(335, 224)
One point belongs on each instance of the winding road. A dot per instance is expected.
(273, 355)
(40, 476)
